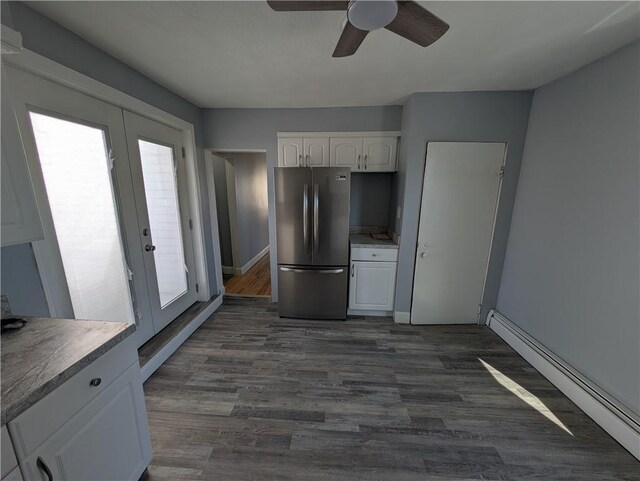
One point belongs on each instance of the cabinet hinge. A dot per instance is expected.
(197, 287)
(502, 172)
(184, 153)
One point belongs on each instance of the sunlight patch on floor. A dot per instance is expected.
(525, 395)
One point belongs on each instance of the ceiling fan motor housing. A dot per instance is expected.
(371, 14)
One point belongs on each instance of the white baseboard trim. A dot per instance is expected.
(228, 270)
(163, 354)
(401, 317)
(622, 424)
(242, 270)
(365, 312)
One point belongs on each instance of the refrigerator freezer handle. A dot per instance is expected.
(305, 218)
(312, 271)
(316, 220)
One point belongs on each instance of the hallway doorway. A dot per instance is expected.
(240, 185)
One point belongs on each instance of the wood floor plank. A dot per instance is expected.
(255, 282)
(251, 396)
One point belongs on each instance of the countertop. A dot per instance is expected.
(365, 240)
(46, 352)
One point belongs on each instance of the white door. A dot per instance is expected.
(316, 152)
(76, 151)
(459, 199)
(290, 152)
(372, 285)
(346, 152)
(379, 154)
(159, 178)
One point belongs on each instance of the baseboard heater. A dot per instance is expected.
(621, 423)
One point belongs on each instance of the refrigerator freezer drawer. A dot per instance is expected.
(313, 293)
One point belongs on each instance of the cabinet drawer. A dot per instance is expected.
(373, 254)
(45, 417)
(8, 461)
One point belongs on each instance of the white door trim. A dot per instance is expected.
(213, 218)
(39, 65)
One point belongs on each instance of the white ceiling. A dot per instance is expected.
(243, 54)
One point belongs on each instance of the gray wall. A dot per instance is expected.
(222, 205)
(227, 129)
(51, 40)
(571, 274)
(251, 205)
(370, 195)
(466, 116)
(21, 281)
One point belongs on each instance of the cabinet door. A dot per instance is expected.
(372, 285)
(107, 440)
(380, 154)
(20, 216)
(290, 152)
(316, 152)
(346, 152)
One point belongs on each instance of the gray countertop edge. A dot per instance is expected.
(363, 241)
(13, 411)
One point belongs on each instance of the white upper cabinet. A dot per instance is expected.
(316, 152)
(290, 152)
(359, 151)
(346, 152)
(380, 154)
(20, 217)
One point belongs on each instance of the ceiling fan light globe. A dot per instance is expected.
(372, 14)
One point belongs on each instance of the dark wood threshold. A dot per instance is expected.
(164, 337)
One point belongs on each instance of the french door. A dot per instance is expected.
(159, 180)
(109, 187)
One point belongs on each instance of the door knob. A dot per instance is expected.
(423, 254)
(149, 248)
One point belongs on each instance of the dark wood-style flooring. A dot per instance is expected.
(255, 282)
(251, 396)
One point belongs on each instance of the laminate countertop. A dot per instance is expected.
(365, 240)
(46, 352)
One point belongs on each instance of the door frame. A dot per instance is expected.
(38, 65)
(213, 208)
(493, 226)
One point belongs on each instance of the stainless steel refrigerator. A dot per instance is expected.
(312, 228)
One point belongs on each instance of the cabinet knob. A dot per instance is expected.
(95, 381)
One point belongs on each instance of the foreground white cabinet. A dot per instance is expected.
(372, 281)
(92, 427)
(359, 151)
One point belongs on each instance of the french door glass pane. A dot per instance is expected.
(75, 165)
(161, 193)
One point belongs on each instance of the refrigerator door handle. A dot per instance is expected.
(314, 271)
(316, 219)
(305, 218)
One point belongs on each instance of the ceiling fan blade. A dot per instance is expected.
(349, 41)
(417, 24)
(308, 6)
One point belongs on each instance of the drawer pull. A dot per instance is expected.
(96, 381)
(42, 466)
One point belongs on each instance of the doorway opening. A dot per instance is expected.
(240, 185)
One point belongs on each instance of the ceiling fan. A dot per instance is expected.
(404, 18)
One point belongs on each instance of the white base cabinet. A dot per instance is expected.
(372, 280)
(105, 438)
